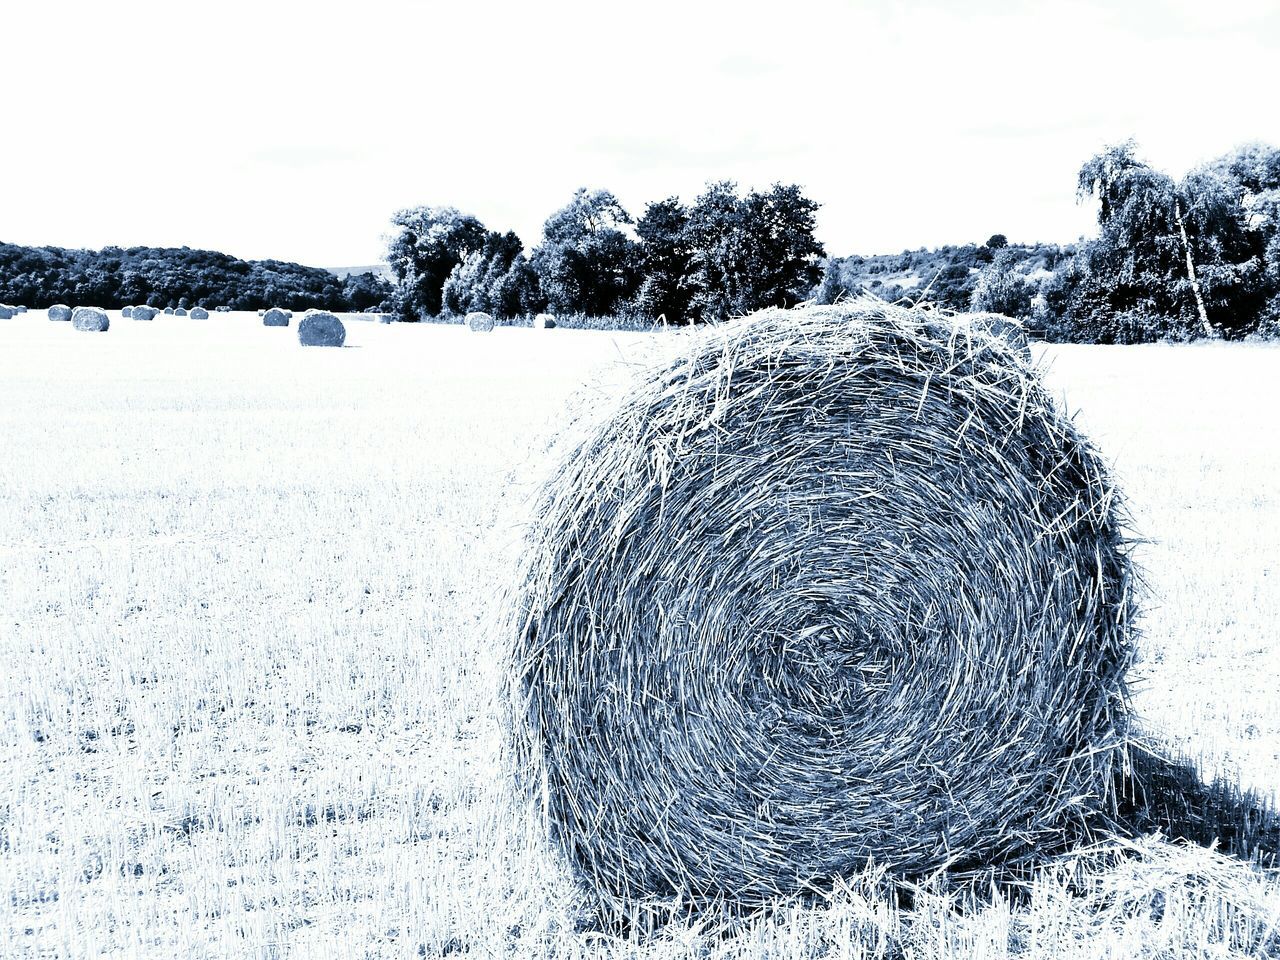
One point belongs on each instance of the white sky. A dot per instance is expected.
(293, 131)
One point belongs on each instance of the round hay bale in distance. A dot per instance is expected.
(7, 313)
(544, 321)
(59, 311)
(180, 312)
(144, 313)
(126, 312)
(168, 311)
(90, 320)
(21, 308)
(479, 322)
(275, 317)
(321, 329)
(833, 585)
(199, 313)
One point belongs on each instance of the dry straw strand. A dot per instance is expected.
(836, 585)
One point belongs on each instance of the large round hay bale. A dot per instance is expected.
(478, 322)
(144, 313)
(169, 311)
(126, 312)
(180, 312)
(90, 320)
(275, 317)
(7, 312)
(320, 329)
(544, 321)
(199, 313)
(59, 311)
(832, 586)
(21, 308)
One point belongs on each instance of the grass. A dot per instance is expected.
(248, 705)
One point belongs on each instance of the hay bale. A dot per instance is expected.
(262, 313)
(199, 313)
(180, 312)
(320, 329)
(90, 320)
(169, 311)
(275, 317)
(59, 311)
(21, 308)
(126, 312)
(7, 313)
(478, 322)
(544, 321)
(222, 309)
(144, 313)
(833, 585)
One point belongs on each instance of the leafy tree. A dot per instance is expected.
(997, 241)
(665, 259)
(1171, 259)
(1002, 288)
(471, 283)
(430, 243)
(751, 252)
(586, 262)
(365, 291)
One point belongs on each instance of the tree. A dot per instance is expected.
(1137, 277)
(997, 241)
(665, 257)
(586, 262)
(751, 252)
(1002, 288)
(430, 243)
(366, 290)
(471, 283)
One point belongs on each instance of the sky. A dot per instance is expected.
(293, 131)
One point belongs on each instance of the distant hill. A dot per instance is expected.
(945, 276)
(380, 270)
(173, 276)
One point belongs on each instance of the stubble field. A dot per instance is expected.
(248, 694)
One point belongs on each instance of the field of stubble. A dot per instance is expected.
(248, 669)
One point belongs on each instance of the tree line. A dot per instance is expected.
(116, 277)
(1173, 259)
(725, 254)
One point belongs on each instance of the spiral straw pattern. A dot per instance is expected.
(836, 585)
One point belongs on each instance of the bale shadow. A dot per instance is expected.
(1171, 796)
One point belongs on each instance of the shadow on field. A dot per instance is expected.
(1170, 796)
